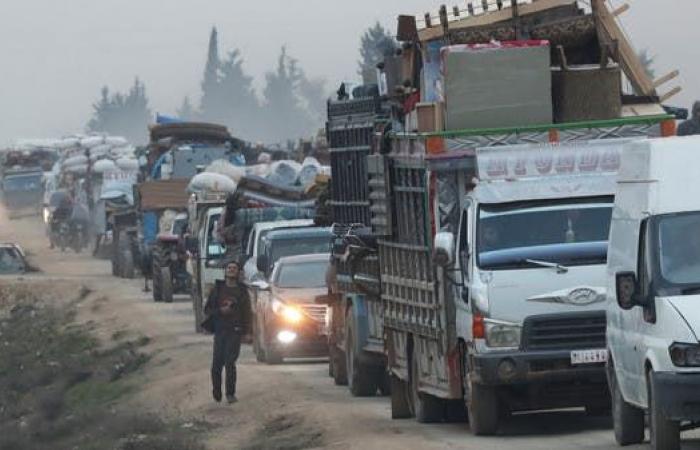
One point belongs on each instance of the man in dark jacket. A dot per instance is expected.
(692, 126)
(228, 306)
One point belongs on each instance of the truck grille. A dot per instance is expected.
(565, 331)
(316, 312)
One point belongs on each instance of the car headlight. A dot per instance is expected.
(685, 355)
(502, 334)
(290, 314)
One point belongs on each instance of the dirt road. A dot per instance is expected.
(291, 406)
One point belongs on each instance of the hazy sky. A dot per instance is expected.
(56, 54)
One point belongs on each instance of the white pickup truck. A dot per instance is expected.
(654, 292)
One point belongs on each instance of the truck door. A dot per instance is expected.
(635, 324)
(212, 252)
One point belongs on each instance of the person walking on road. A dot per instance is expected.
(228, 311)
(692, 126)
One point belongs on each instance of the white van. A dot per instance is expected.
(654, 292)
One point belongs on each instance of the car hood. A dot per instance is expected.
(298, 295)
(688, 306)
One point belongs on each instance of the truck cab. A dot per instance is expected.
(529, 264)
(654, 293)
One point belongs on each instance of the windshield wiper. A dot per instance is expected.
(690, 290)
(558, 267)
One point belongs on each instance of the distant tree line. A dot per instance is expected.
(291, 105)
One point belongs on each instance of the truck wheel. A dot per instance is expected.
(385, 383)
(166, 281)
(360, 380)
(196, 306)
(425, 408)
(127, 264)
(482, 409)
(340, 374)
(158, 288)
(664, 434)
(628, 421)
(400, 409)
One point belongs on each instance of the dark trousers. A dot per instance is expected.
(227, 347)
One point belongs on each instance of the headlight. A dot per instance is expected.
(685, 355)
(502, 334)
(289, 313)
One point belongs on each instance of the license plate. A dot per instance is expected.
(589, 357)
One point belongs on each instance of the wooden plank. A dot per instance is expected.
(492, 17)
(670, 94)
(666, 78)
(611, 32)
(621, 10)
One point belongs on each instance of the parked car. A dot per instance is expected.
(13, 261)
(288, 322)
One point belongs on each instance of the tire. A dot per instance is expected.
(127, 264)
(628, 421)
(400, 409)
(158, 292)
(664, 434)
(385, 383)
(483, 409)
(425, 408)
(340, 374)
(257, 349)
(360, 377)
(166, 281)
(197, 307)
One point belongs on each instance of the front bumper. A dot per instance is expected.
(678, 395)
(310, 340)
(532, 367)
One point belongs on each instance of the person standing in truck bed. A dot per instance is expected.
(228, 311)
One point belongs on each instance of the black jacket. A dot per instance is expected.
(239, 319)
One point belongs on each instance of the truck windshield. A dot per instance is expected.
(679, 249)
(299, 246)
(19, 183)
(310, 274)
(561, 232)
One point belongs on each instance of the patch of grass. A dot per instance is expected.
(60, 390)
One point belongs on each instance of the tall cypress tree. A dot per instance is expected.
(210, 84)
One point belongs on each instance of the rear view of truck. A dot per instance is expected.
(356, 340)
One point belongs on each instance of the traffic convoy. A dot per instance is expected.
(502, 228)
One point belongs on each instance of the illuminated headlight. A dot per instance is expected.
(290, 314)
(685, 355)
(502, 334)
(286, 337)
(47, 215)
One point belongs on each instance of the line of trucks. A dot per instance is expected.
(468, 268)
(505, 227)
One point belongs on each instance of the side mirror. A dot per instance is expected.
(444, 249)
(261, 263)
(626, 289)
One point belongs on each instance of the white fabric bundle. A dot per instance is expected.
(223, 167)
(211, 182)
